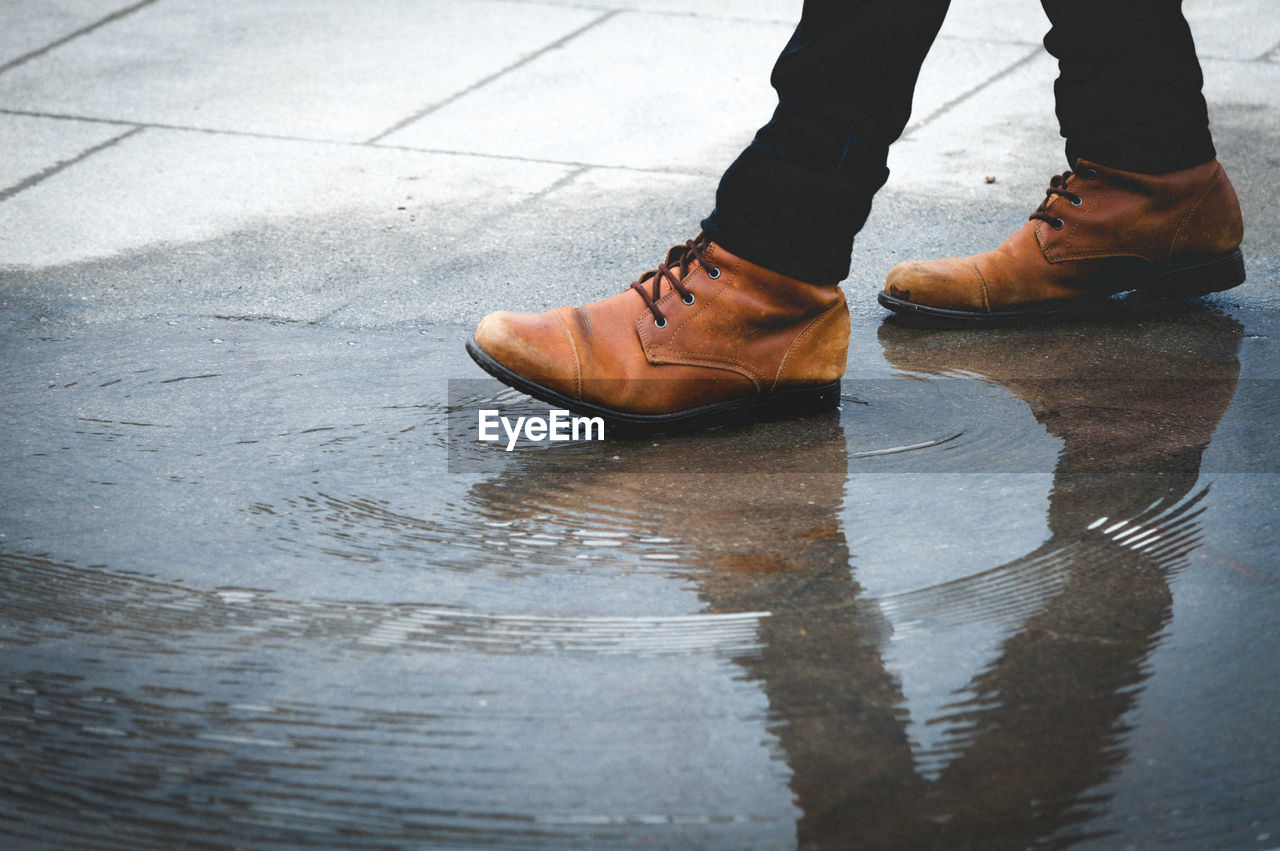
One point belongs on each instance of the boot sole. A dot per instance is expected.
(777, 404)
(1181, 282)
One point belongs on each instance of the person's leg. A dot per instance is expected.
(1128, 91)
(795, 198)
(747, 321)
(1145, 207)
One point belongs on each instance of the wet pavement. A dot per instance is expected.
(1019, 589)
(260, 586)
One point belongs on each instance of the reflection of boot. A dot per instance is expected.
(1147, 392)
(754, 503)
(1043, 722)
(707, 336)
(759, 526)
(1099, 231)
(1042, 725)
(1134, 409)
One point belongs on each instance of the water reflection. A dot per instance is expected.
(1017, 754)
(635, 642)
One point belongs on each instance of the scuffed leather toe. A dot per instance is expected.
(535, 345)
(951, 284)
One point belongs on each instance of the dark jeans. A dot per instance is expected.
(1128, 96)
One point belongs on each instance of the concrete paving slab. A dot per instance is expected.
(29, 25)
(34, 145)
(997, 20)
(693, 111)
(1007, 130)
(778, 11)
(288, 220)
(367, 263)
(942, 86)
(322, 70)
(1240, 85)
(1021, 21)
(1244, 116)
(1233, 29)
(586, 239)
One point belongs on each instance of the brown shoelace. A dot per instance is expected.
(674, 270)
(1058, 187)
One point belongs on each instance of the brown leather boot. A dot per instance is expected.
(1099, 231)
(706, 337)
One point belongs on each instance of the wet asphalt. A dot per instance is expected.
(260, 586)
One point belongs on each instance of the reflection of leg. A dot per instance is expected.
(795, 198)
(1129, 89)
(767, 540)
(1045, 722)
(838, 716)
(832, 705)
(835, 710)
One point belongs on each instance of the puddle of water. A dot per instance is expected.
(246, 599)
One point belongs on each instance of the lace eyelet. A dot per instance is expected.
(688, 299)
(660, 323)
(1076, 200)
(1057, 224)
(1089, 174)
(712, 273)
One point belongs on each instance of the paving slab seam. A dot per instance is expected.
(41, 176)
(529, 201)
(956, 101)
(590, 7)
(85, 30)
(1236, 60)
(560, 42)
(276, 137)
(557, 185)
(541, 161)
(188, 128)
(554, 187)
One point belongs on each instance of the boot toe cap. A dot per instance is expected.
(953, 284)
(535, 346)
